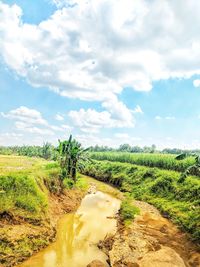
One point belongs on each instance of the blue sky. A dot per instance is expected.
(106, 71)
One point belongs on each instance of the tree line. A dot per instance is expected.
(145, 149)
(48, 151)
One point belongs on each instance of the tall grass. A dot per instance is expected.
(163, 161)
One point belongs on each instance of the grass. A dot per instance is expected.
(179, 201)
(127, 210)
(24, 184)
(25, 213)
(163, 161)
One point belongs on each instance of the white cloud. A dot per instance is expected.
(158, 118)
(73, 59)
(32, 129)
(25, 114)
(10, 138)
(66, 127)
(122, 135)
(196, 83)
(92, 121)
(169, 118)
(31, 121)
(121, 115)
(91, 140)
(59, 117)
(138, 109)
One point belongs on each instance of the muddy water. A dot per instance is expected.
(78, 234)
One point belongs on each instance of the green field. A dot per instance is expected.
(25, 184)
(178, 201)
(163, 161)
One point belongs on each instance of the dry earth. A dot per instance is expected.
(150, 241)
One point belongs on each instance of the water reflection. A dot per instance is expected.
(78, 233)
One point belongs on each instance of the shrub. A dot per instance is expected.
(127, 210)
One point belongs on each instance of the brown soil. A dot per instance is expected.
(150, 241)
(23, 238)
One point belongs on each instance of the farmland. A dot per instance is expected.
(35, 192)
(163, 161)
(158, 186)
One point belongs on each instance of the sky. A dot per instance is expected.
(109, 72)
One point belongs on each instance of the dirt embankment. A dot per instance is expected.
(150, 241)
(23, 238)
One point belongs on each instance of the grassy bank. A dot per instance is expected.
(31, 201)
(25, 184)
(159, 187)
(163, 161)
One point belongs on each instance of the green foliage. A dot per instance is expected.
(81, 183)
(159, 187)
(47, 151)
(194, 168)
(51, 165)
(21, 191)
(68, 183)
(72, 157)
(25, 184)
(163, 161)
(127, 210)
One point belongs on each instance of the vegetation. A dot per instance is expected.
(128, 211)
(23, 186)
(162, 161)
(72, 157)
(193, 168)
(47, 151)
(179, 201)
(39, 151)
(27, 212)
(138, 149)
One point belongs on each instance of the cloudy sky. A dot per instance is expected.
(109, 72)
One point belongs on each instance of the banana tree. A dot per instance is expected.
(72, 157)
(78, 158)
(193, 169)
(64, 149)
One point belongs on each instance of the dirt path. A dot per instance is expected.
(151, 241)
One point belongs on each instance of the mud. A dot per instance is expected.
(22, 238)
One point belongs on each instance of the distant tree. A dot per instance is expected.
(136, 149)
(172, 151)
(147, 149)
(125, 148)
(47, 150)
(153, 148)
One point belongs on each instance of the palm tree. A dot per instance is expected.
(72, 157)
(193, 169)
